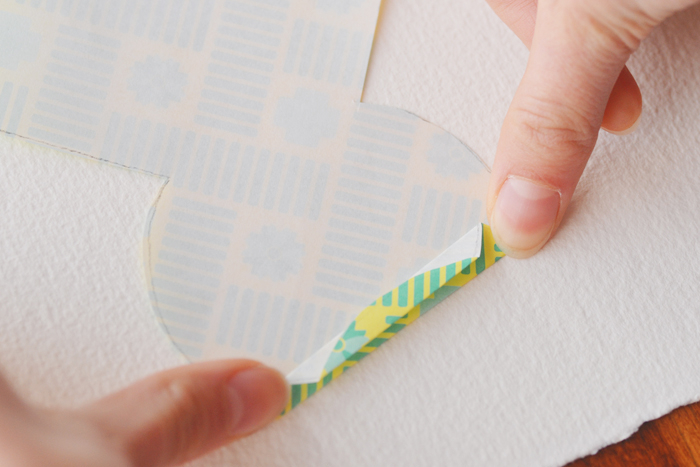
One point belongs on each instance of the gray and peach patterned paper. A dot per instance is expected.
(290, 206)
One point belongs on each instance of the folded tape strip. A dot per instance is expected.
(395, 310)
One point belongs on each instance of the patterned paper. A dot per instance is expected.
(289, 205)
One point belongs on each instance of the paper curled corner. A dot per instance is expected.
(469, 246)
(395, 310)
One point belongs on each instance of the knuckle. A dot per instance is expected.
(544, 127)
(180, 395)
(167, 429)
(185, 421)
(182, 403)
(185, 416)
(612, 27)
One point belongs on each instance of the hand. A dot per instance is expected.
(164, 420)
(575, 83)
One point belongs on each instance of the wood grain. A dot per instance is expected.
(673, 440)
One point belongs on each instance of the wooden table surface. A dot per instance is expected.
(673, 440)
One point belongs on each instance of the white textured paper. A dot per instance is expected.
(535, 363)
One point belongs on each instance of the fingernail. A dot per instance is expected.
(258, 395)
(524, 216)
(629, 130)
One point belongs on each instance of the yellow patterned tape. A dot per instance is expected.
(397, 309)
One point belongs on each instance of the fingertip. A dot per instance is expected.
(625, 106)
(627, 131)
(524, 216)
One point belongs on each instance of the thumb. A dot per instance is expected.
(553, 122)
(180, 414)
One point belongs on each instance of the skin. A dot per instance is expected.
(575, 84)
(163, 420)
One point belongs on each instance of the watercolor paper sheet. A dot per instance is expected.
(534, 363)
(289, 206)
